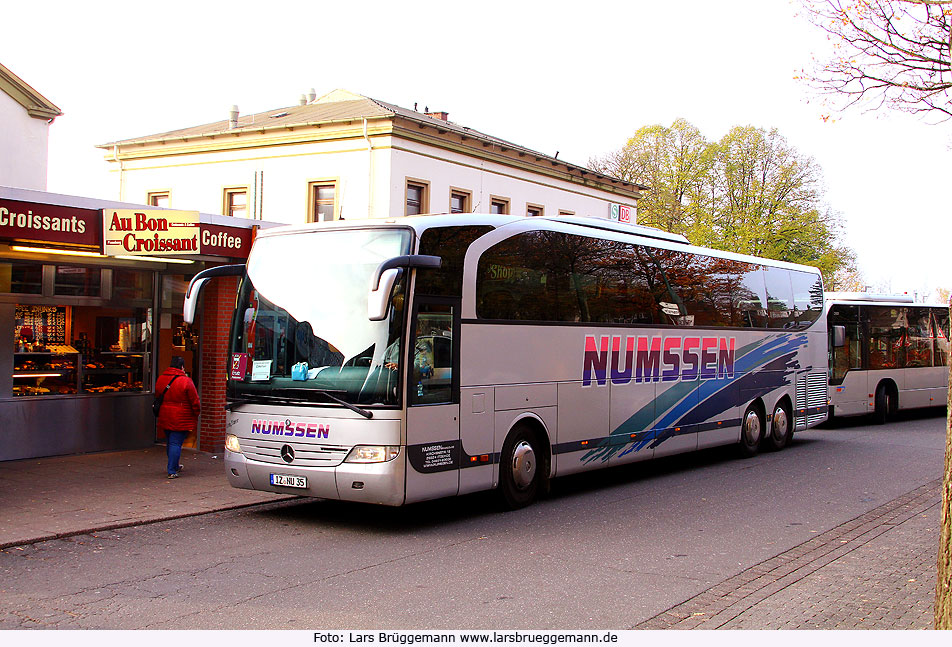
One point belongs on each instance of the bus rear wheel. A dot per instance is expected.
(781, 428)
(522, 474)
(751, 432)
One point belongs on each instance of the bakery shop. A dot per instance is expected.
(91, 295)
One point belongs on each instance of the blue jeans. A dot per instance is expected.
(174, 448)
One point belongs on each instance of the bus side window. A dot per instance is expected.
(918, 338)
(940, 329)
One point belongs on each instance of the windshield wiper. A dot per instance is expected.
(327, 392)
(258, 398)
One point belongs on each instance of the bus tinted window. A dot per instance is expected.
(450, 244)
(807, 297)
(780, 307)
(886, 326)
(752, 300)
(526, 278)
(552, 276)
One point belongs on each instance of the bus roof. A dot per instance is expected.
(869, 298)
(420, 223)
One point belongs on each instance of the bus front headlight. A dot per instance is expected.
(372, 454)
(231, 443)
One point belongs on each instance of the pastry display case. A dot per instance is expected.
(80, 350)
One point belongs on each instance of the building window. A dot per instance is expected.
(321, 207)
(236, 203)
(158, 199)
(498, 205)
(534, 210)
(417, 198)
(563, 212)
(460, 201)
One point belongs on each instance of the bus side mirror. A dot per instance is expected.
(378, 302)
(199, 280)
(839, 336)
(385, 276)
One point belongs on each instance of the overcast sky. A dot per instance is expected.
(574, 77)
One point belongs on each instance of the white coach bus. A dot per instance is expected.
(886, 353)
(401, 360)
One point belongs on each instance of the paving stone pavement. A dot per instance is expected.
(877, 571)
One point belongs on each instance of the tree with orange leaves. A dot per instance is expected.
(897, 54)
(886, 53)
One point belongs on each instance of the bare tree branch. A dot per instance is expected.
(893, 53)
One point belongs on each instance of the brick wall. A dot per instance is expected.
(217, 305)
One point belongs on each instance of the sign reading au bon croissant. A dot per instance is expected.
(150, 232)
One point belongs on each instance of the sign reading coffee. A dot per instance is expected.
(150, 232)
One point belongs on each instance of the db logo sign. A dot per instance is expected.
(624, 214)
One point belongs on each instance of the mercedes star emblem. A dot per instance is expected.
(287, 453)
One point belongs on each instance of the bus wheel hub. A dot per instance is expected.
(523, 464)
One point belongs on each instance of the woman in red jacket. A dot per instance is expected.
(178, 414)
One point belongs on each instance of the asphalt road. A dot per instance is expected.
(604, 550)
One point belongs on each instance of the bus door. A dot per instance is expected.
(433, 442)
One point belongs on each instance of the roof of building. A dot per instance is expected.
(36, 104)
(341, 106)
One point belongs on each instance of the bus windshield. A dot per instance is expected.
(301, 331)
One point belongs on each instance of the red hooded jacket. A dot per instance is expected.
(180, 407)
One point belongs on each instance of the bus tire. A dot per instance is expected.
(885, 404)
(522, 476)
(751, 431)
(781, 427)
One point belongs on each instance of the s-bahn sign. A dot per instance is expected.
(131, 232)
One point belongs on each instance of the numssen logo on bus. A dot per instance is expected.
(656, 359)
(288, 428)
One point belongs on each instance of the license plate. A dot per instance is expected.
(289, 480)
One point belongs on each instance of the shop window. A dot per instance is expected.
(77, 281)
(236, 203)
(322, 198)
(158, 199)
(499, 205)
(417, 198)
(131, 285)
(21, 277)
(64, 350)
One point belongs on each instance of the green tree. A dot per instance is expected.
(751, 192)
(674, 163)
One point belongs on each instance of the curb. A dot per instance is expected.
(141, 522)
(718, 605)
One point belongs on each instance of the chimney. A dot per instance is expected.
(443, 116)
(311, 95)
(233, 117)
(302, 101)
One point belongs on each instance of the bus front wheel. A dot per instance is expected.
(521, 468)
(751, 432)
(885, 404)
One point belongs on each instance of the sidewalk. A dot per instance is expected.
(48, 498)
(876, 571)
